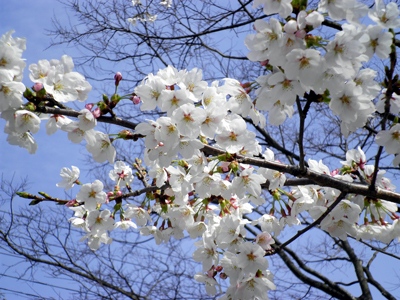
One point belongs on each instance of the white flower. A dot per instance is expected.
(336, 9)
(149, 92)
(10, 91)
(95, 239)
(86, 120)
(133, 21)
(26, 121)
(39, 71)
(151, 18)
(102, 149)
(234, 134)
(248, 182)
(141, 216)
(394, 103)
(355, 156)
(69, 177)
(349, 102)
(283, 7)
(56, 122)
(207, 253)
(192, 81)
(125, 224)
(264, 239)
(387, 17)
(10, 59)
(122, 174)
(98, 221)
(209, 282)
(188, 119)
(92, 194)
(379, 42)
(166, 3)
(254, 287)
(24, 140)
(76, 135)
(305, 65)
(390, 139)
(159, 174)
(251, 258)
(171, 100)
(196, 229)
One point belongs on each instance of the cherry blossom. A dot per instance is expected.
(69, 176)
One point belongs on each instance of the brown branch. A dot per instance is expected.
(74, 113)
(317, 178)
(331, 288)
(376, 284)
(358, 267)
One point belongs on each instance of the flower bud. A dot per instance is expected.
(301, 34)
(114, 100)
(37, 87)
(97, 112)
(135, 100)
(30, 106)
(245, 85)
(118, 78)
(28, 94)
(125, 134)
(71, 203)
(105, 99)
(234, 166)
(89, 106)
(218, 268)
(103, 106)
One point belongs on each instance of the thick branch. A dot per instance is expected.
(358, 267)
(332, 289)
(317, 178)
(376, 284)
(74, 113)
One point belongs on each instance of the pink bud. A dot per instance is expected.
(136, 100)
(119, 193)
(110, 194)
(245, 85)
(225, 166)
(89, 106)
(265, 62)
(37, 87)
(218, 268)
(71, 203)
(210, 273)
(335, 172)
(160, 144)
(96, 113)
(301, 34)
(118, 78)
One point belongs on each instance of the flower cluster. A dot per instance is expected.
(303, 67)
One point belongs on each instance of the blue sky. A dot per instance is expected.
(30, 19)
